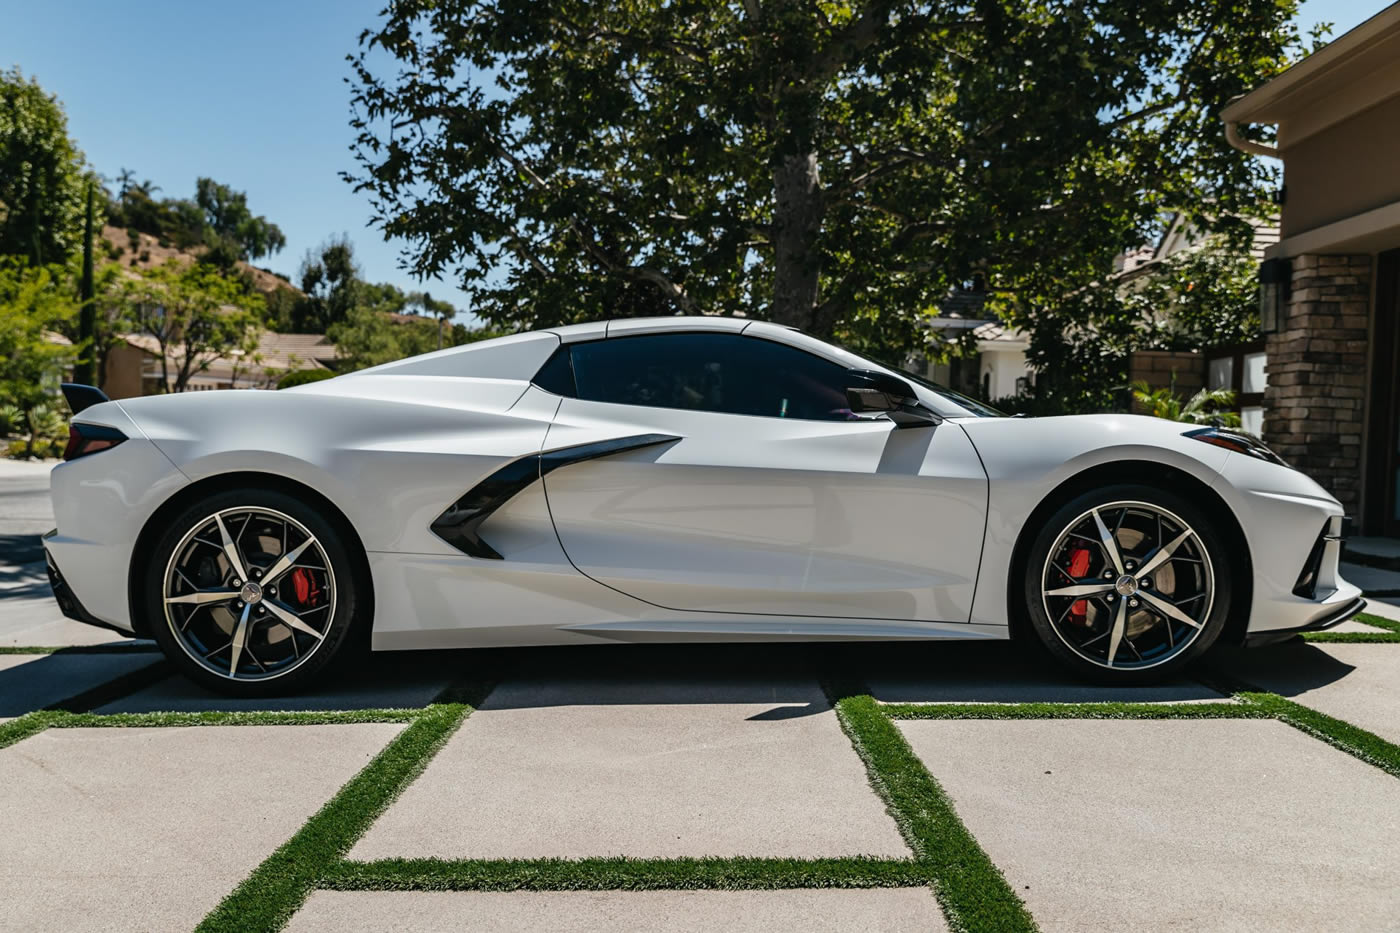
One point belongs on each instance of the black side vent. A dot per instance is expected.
(1306, 586)
(460, 523)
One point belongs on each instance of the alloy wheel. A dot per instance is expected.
(1128, 585)
(249, 593)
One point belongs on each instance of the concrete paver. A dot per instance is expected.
(1357, 683)
(653, 769)
(148, 829)
(880, 911)
(1387, 607)
(33, 681)
(1175, 824)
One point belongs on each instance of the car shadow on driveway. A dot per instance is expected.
(783, 675)
(1289, 669)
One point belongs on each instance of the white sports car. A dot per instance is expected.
(673, 479)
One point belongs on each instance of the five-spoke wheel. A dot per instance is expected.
(1124, 581)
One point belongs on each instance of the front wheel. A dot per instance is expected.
(251, 592)
(1127, 584)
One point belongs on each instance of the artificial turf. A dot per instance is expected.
(267, 898)
(972, 891)
(625, 874)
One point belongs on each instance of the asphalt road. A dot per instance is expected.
(28, 613)
(25, 510)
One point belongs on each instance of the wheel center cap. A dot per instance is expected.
(1127, 585)
(252, 592)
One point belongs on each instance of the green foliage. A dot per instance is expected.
(229, 222)
(33, 309)
(217, 219)
(195, 315)
(41, 174)
(836, 167)
(1199, 298)
(1208, 406)
(330, 279)
(303, 377)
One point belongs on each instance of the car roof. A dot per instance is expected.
(617, 327)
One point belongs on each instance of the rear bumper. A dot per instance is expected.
(68, 602)
(1333, 618)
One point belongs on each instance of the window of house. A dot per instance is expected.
(725, 373)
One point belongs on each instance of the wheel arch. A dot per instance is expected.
(211, 485)
(1140, 472)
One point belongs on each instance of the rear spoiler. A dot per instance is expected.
(80, 396)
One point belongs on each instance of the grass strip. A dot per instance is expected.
(27, 725)
(1353, 638)
(267, 898)
(1212, 710)
(145, 647)
(235, 718)
(971, 890)
(1389, 625)
(624, 874)
(1338, 733)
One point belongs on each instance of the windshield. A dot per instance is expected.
(971, 405)
(980, 409)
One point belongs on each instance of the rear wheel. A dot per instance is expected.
(1127, 584)
(251, 592)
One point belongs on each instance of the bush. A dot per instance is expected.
(301, 377)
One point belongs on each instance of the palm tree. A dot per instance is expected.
(1208, 406)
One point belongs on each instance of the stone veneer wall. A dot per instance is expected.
(1314, 405)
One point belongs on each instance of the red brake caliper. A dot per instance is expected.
(1078, 566)
(307, 589)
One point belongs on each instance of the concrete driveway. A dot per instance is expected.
(733, 788)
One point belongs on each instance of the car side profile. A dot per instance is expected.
(678, 479)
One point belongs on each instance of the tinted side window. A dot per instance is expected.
(557, 373)
(725, 373)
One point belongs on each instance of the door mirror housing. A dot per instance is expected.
(872, 392)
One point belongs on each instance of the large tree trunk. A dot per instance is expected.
(798, 212)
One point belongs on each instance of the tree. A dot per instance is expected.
(227, 220)
(33, 308)
(838, 167)
(84, 371)
(331, 282)
(41, 174)
(195, 316)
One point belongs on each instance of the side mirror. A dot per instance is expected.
(871, 392)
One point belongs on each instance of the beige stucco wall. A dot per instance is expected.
(122, 378)
(1320, 191)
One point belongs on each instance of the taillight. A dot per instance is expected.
(84, 439)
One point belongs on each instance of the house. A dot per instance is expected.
(1330, 287)
(133, 366)
(999, 368)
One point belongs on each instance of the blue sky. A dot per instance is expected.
(251, 94)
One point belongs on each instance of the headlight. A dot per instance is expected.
(1237, 441)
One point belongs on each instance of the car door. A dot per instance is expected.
(751, 488)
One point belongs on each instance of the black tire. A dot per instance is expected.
(338, 589)
(1198, 576)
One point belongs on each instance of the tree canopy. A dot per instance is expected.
(217, 218)
(839, 167)
(41, 174)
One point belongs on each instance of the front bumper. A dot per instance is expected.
(1334, 618)
(1292, 529)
